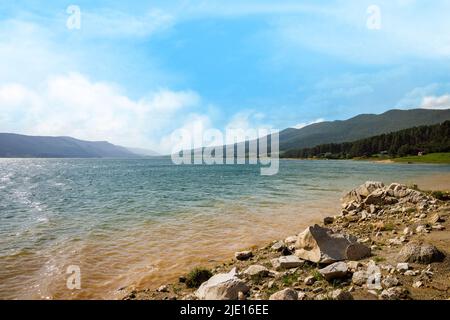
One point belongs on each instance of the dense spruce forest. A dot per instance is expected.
(425, 139)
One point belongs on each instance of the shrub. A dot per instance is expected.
(197, 276)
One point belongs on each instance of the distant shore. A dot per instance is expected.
(433, 158)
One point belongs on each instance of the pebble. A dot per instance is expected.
(402, 267)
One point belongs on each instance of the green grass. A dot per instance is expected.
(197, 276)
(289, 279)
(428, 158)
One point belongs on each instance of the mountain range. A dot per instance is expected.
(16, 145)
(359, 127)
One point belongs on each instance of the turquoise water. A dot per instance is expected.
(122, 219)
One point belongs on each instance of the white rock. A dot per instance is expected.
(421, 229)
(402, 267)
(322, 245)
(163, 288)
(223, 286)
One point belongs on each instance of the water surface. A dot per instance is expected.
(144, 221)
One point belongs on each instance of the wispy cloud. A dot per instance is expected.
(305, 124)
(113, 24)
(433, 102)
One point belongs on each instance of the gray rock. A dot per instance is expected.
(357, 251)
(389, 282)
(256, 271)
(243, 255)
(322, 245)
(341, 295)
(286, 294)
(223, 286)
(359, 278)
(328, 220)
(362, 191)
(395, 293)
(278, 246)
(375, 198)
(287, 262)
(334, 271)
(416, 252)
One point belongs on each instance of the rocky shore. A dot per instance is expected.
(388, 242)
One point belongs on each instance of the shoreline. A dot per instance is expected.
(265, 253)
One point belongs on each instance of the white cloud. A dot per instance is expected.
(110, 23)
(434, 102)
(304, 124)
(75, 106)
(432, 96)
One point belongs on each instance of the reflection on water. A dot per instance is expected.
(145, 221)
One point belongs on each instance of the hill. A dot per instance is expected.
(22, 146)
(359, 127)
(412, 141)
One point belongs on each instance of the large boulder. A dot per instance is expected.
(223, 286)
(417, 252)
(322, 245)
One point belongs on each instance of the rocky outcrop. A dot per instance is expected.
(222, 286)
(322, 245)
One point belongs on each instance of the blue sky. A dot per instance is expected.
(133, 73)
